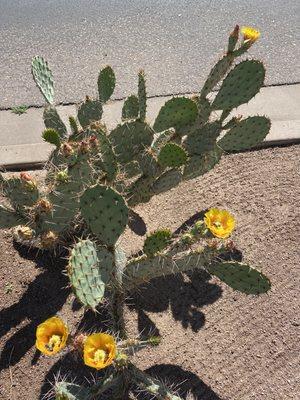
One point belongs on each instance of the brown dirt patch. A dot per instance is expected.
(223, 344)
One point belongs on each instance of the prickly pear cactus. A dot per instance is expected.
(95, 175)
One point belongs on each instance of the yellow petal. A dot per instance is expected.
(250, 33)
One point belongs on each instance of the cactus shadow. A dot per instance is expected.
(183, 294)
(44, 296)
(188, 385)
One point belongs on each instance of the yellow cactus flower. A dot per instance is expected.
(99, 350)
(250, 34)
(51, 336)
(220, 222)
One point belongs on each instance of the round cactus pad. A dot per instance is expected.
(106, 213)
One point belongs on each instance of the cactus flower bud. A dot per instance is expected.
(23, 232)
(84, 146)
(62, 176)
(187, 238)
(67, 149)
(121, 360)
(233, 38)
(49, 239)
(28, 182)
(235, 32)
(24, 176)
(44, 205)
(78, 342)
(94, 142)
(229, 245)
(199, 229)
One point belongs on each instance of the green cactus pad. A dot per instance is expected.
(81, 172)
(167, 181)
(160, 139)
(65, 196)
(52, 121)
(204, 110)
(9, 218)
(142, 269)
(247, 133)
(64, 199)
(89, 111)
(106, 213)
(20, 194)
(172, 155)
(89, 269)
(157, 241)
(142, 96)
(148, 164)
(106, 84)
(233, 122)
(107, 156)
(178, 113)
(198, 165)
(51, 136)
(43, 78)
(129, 139)
(71, 391)
(140, 191)
(130, 108)
(202, 140)
(240, 277)
(216, 74)
(131, 169)
(240, 85)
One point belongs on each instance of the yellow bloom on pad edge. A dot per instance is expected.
(220, 222)
(99, 350)
(250, 33)
(51, 336)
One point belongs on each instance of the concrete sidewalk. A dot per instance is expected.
(21, 145)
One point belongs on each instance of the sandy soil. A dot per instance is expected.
(221, 344)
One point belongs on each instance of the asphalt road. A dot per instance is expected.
(175, 41)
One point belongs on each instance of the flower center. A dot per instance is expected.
(54, 341)
(100, 355)
(217, 224)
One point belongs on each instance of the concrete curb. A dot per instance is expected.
(22, 147)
